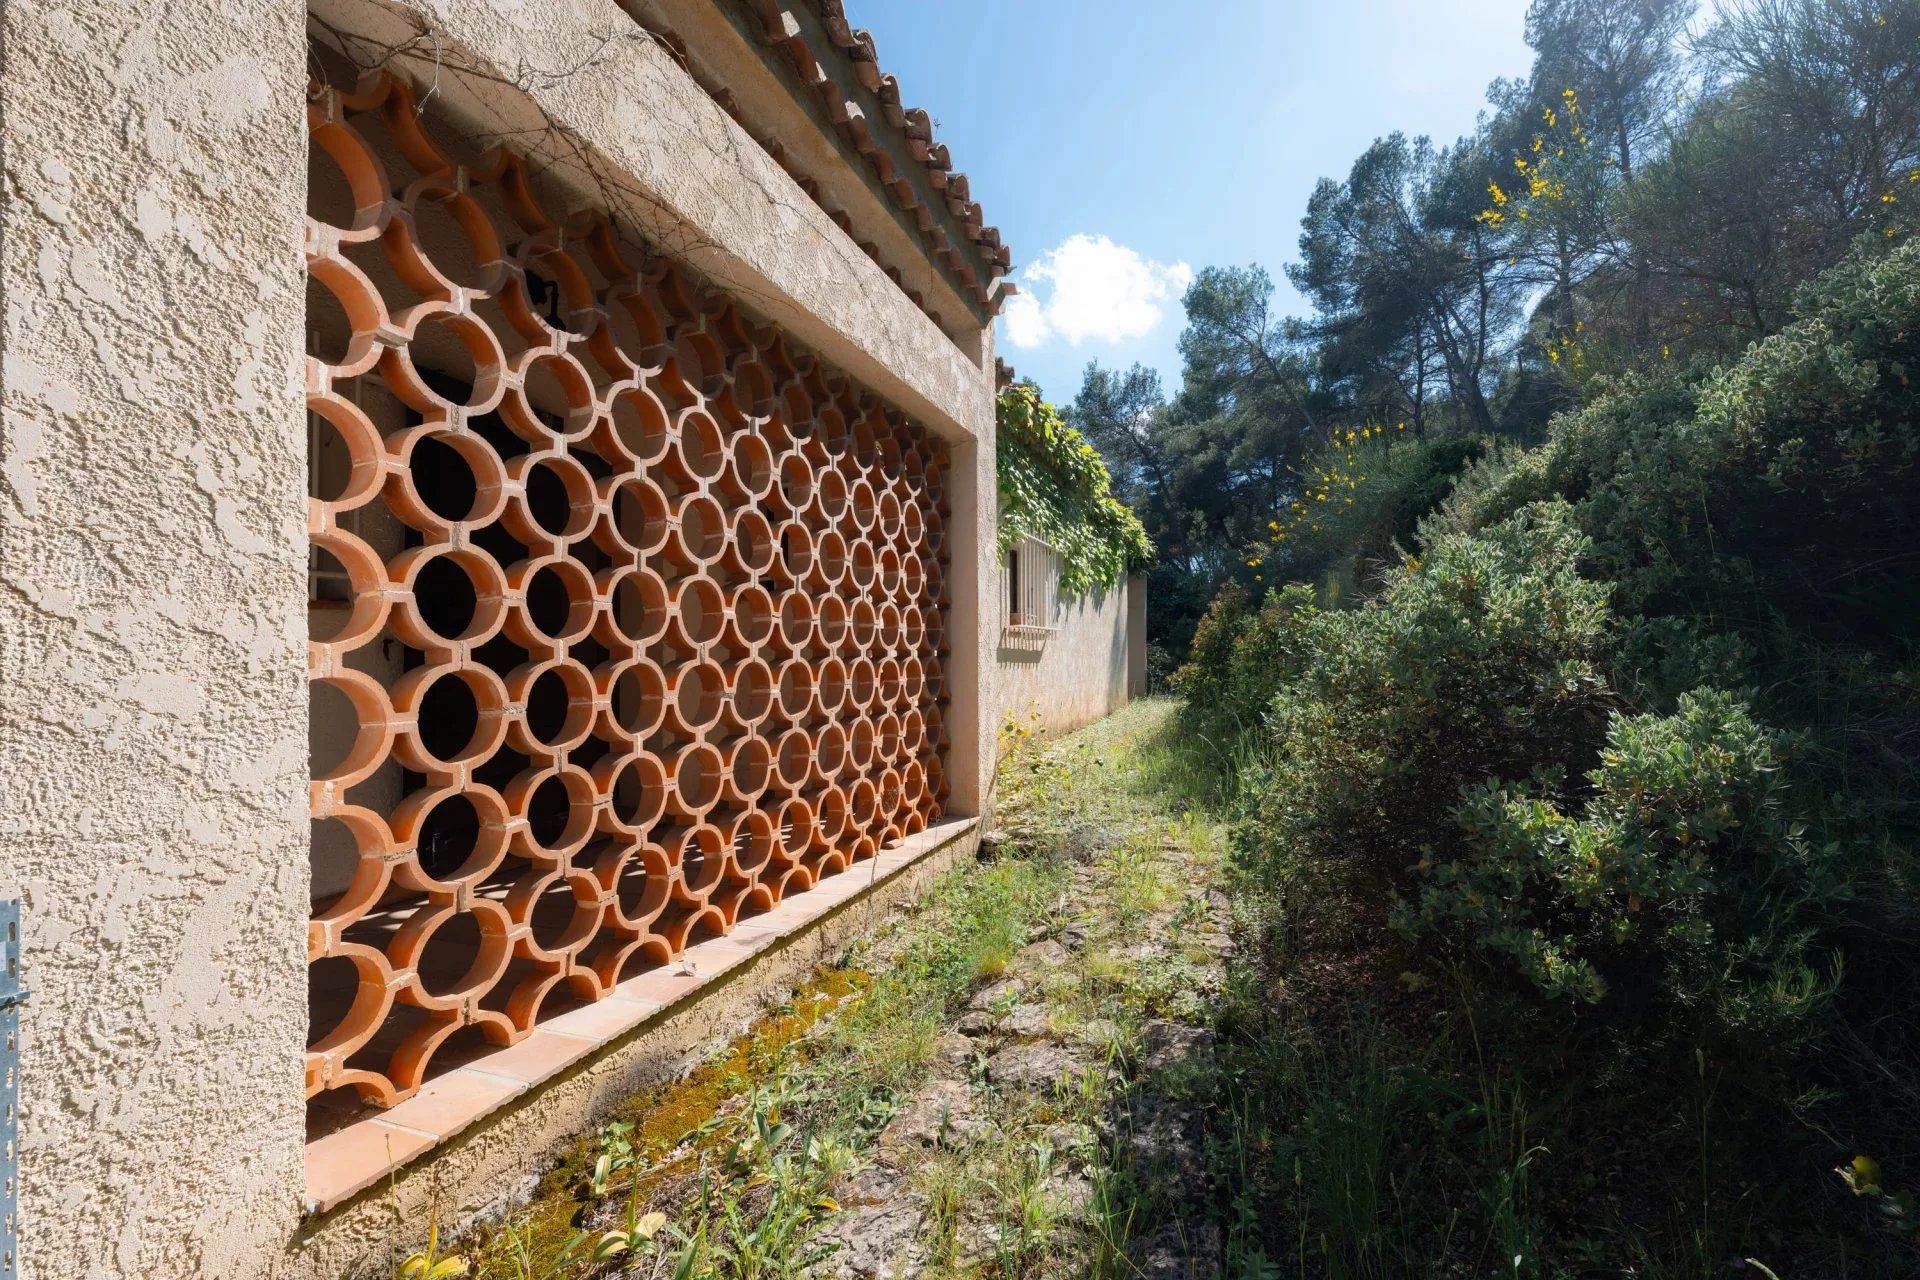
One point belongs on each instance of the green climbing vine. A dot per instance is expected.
(1054, 487)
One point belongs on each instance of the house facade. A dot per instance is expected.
(497, 577)
(1066, 658)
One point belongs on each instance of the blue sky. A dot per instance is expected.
(1122, 144)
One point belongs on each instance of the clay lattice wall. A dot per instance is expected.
(628, 617)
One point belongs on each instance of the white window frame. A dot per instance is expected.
(1030, 587)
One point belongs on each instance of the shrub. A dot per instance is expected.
(1629, 417)
(1242, 658)
(1204, 678)
(1478, 661)
(1670, 883)
(1362, 500)
(1780, 487)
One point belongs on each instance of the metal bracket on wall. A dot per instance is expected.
(12, 996)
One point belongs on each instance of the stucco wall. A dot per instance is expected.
(1073, 676)
(153, 699)
(152, 626)
(1137, 636)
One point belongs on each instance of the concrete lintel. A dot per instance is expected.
(579, 84)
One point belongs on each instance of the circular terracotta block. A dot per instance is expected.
(669, 643)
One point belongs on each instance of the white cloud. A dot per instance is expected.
(1088, 287)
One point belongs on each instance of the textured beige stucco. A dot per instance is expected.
(1137, 636)
(152, 633)
(153, 699)
(1075, 675)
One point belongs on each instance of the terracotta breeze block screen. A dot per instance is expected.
(627, 618)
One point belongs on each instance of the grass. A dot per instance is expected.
(819, 1075)
(732, 1172)
(1360, 1123)
(1046, 1196)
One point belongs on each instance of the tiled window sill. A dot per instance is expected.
(346, 1162)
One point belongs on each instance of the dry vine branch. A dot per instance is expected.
(556, 147)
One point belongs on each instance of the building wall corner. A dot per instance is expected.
(152, 634)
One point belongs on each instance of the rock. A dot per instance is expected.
(1035, 1067)
(1028, 1022)
(977, 1023)
(1039, 957)
(1076, 1144)
(1000, 993)
(952, 1052)
(1218, 943)
(1168, 1045)
(1079, 847)
(1164, 1142)
(1071, 1196)
(941, 1114)
(1098, 1035)
(878, 1230)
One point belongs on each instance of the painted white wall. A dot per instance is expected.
(1075, 674)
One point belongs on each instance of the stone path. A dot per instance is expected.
(1053, 1137)
(1037, 1125)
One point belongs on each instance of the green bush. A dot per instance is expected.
(1779, 488)
(1671, 882)
(1647, 863)
(1542, 738)
(1477, 662)
(1377, 490)
(1241, 658)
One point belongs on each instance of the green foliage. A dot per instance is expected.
(1478, 661)
(1591, 798)
(1624, 752)
(1241, 657)
(1671, 882)
(1775, 486)
(1054, 487)
(1364, 494)
(1734, 521)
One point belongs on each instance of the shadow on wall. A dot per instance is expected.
(1019, 650)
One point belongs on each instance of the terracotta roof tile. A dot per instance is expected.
(989, 257)
(978, 261)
